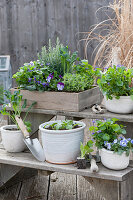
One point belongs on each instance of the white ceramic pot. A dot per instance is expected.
(123, 105)
(114, 161)
(12, 140)
(62, 146)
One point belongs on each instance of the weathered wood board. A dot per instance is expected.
(27, 160)
(25, 26)
(64, 101)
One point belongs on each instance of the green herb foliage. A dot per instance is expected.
(86, 149)
(17, 106)
(116, 81)
(82, 78)
(62, 125)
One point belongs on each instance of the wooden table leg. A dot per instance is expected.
(113, 190)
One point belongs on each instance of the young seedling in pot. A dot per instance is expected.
(85, 149)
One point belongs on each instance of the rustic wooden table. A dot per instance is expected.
(113, 185)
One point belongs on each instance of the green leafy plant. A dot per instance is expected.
(67, 60)
(82, 78)
(106, 130)
(51, 56)
(109, 135)
(86, 149)
(116, 81)
(62, 125)
(15, 100)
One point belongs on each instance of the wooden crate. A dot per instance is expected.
(63, 101)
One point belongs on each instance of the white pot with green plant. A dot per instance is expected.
(12, 137)
(113, 146)
(117, 87)
(61, 140)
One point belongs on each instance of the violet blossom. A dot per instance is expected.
(29, 79)
(60, 86)
(48, 79)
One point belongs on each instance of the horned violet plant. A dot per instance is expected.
(109, 135)
(116, 81)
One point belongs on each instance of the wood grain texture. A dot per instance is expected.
(85, 114)
(62, 187)
(27, 160)
(64, 101)
(108, 189)
(25, 26)
(86, 191)
(34, 188)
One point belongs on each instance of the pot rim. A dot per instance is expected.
(111, 152)
(10, 126)
(62, 131)
(121, 97)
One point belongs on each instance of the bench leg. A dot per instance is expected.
(112, 190)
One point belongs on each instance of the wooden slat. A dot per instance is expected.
(62, 186)
(87, 113)
(27, 160)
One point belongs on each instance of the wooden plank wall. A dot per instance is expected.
(26, 25)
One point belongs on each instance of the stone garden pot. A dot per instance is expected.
(114, 161)
(12, 139)
(61, 146)
(124, 105)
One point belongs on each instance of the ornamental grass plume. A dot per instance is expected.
(114, 36)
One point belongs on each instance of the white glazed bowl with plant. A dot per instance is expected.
(12, 137)
(61, 140)
(117, 87)
(114, 148)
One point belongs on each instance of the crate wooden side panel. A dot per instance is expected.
(63, 101)
(89, 98)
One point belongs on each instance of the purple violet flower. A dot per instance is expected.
(47, 64)
(132, 141)
(108, 83)
(115, 141)
(29, 70)
(60, 76)
(93, 121)
(123, 143)
(29, 79)
(50, 76)
(106, 67)
(38, 82)
(93, 133)
(60, 86)
(99, 131)
(31, 63)
(108, 146)
(105, 143)
(44, 84)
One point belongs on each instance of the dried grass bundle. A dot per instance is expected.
(114, 36)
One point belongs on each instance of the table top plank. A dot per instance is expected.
(87, 113)
(27, 160)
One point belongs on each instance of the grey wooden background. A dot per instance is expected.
(25, 26)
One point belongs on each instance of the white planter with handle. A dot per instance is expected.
(12, 140)
(114, 161)
(62, 146)
(124, 105)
